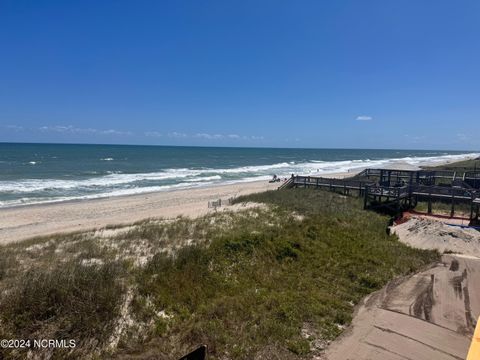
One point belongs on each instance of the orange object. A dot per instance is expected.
(474, 351)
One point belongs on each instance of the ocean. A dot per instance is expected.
(39, 173)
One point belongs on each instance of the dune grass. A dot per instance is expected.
(459, 166)
(444, 208)
(262, 284)
(280, 280)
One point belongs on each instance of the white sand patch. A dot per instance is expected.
(108, 233)
(92, 262)
(298, 217)
(162, 314)
(38, 247)
(123, 323)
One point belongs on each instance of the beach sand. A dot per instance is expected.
(23, 222)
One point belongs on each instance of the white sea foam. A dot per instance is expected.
(115, 193)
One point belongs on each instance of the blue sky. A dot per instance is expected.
(355, 74)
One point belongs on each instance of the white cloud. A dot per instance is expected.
(69, 129)
(364, 118)
(153, 134)
(206, 136)
(114, 132)
(257, 137)
(14, 127)
(177, 135)
(209, 136)
(414, 138)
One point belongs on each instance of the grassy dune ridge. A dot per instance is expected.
(459, 166)
(278, 280)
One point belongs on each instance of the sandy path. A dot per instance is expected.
(20, 223)
(429, 315)
(426, 316)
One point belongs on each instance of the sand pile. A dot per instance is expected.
(432, 234)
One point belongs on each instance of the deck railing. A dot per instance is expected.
(388, 191)
(376, 189)
(444, 191)
(330, 182)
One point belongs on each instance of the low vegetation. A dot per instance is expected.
(444, 208)
(278, 281)
(459, 166)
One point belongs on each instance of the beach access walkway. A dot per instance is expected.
(399, 189)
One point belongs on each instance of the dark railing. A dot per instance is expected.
(444, 191)
(287, 184)
(388, 191)
(376, 189)
(330, 182)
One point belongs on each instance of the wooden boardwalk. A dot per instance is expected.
(398, 189)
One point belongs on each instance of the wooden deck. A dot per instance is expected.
(397, 189)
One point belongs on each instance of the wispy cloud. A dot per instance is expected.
(206, 136)
(177, 135)
(73, 130)
(364, 118)
(153, 134)
(209, 136)
(13, 127)
(414, 138)
(69, 129)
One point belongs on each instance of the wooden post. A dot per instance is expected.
(471, 209)
(452, 211)
(365, 195)
(398, 202)
(429, 211)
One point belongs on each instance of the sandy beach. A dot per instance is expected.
(23, 222)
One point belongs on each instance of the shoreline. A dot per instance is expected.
(22, 222)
